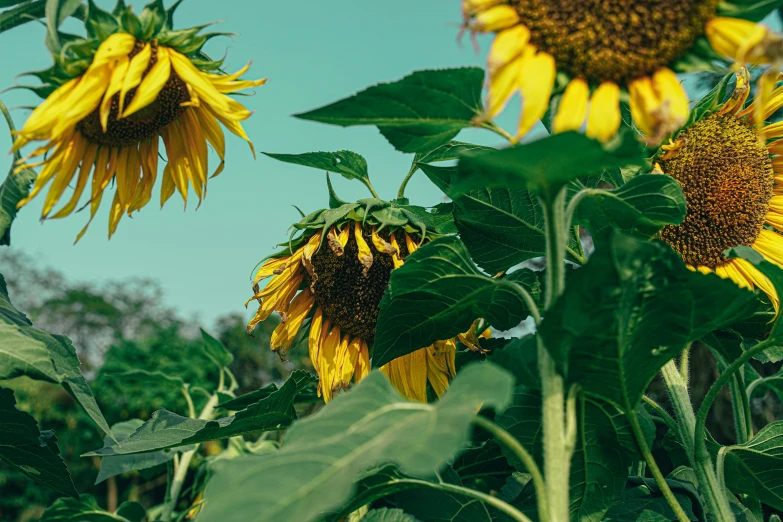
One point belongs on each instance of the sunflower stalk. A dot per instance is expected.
(557, 446)
(714, 494)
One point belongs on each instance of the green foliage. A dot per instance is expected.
(328, 451)
(417, 113)
(753, 468)
(439, 292)
(86, 509)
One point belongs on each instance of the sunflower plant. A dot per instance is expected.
(491, 357)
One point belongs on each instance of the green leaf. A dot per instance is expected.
(438, 293)
(417, 113)
(215, 350)
(753, 10)
(449, 151)
(348, 164)
(324, 454)
(25, 350)
(16, 186)
(153, 19)
(143, 378)
(642, 206)
(99, 23)
(519, 356)
(544, 166)
(631, 309)
(56, 13)
(304, 394)
(753, 468)
(772, 272)
(388, 515)
(83, 509)
(29, 450)
(133, 511)
(605, 449)
(169, 430)
(646, 504)
(501, 227)
(711, 102)
(118, 464)
(130, 23)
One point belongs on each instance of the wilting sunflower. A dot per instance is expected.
(599, 52)
(110, 98)
(731, 173)
(336, 273)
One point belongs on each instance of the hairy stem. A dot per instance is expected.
(717, 503)
(526, 458)
(557, 448)
(633, 419)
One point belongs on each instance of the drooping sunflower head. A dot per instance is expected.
(731, 175)
(335, 273)
(111, 97)
(596, 53)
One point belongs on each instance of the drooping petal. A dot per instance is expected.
(572, 111)
(603, 118)
(535, 84)
(284, 334)
(494, 19)
(364, 254)
(152, 84)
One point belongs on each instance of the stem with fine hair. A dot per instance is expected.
(557, 448)
(633, 420)
(717, 503)
(525, 457)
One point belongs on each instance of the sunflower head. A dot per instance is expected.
(593, 54)
(334, 272)
(112, 95)
(730, 176)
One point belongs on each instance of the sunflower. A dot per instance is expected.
(731, 173)
(108, 101)
(599, 52)
(336, 275)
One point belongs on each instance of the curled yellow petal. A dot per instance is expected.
(152, 84)
(283, 336)
(364, 254)
(494, 18)
(381, 245)
(138, 64)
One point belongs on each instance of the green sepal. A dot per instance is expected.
(99, 23)
(170, 14)
(334, 200)
(153, 19)
(130, 23)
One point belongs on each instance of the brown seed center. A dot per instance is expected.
(145, 123)
(726, 176)
(346, 295)
(616, 40)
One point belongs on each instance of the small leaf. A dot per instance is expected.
(348, 164)
(99, 23)
(388, 515)
(753, 468)
(631, 309)
(85, 509)
(215, 350)
(29, 450)
(545, 165)
(417, 113)
(324, 454)
(153, 19)
(501, 227)
(642, 206)
(169, 430)
(438, 293)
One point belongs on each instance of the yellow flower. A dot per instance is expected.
(105, 124)
(607, 47)
(341, 280)
(731, 173)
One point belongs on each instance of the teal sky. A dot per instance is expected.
(313, 53)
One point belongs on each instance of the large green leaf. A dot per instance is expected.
(323, 455)
(169, 430)
(544, 166)
(29, 450)
(631, 309)
(754, 468)
(605, 449)
(117, 464)
(83, 509)
(417, 113)
(642, 206)
(501, 227)
(25, 350)
(348, 164)
(438, 293)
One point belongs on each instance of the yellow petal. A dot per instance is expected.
(84, 174)
(214, 135)
(535, 83)
(40, 122)
(115, 46)
(283, 336)
(116, 81)
(381, 245)
(503, 83)
(364, 254)
(572, 110)
(396, 259)
(314, 337)
(327, 364)
(133, 76)
(470, 7)
(152, 84)
(362, 363)
(507, 46)
(741, 40)
(603, 118)
(495, 18)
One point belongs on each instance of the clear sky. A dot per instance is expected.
(313, 53)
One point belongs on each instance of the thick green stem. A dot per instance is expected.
(633, 419)
(557, 448)
(717, 503)
(526, 458)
